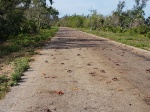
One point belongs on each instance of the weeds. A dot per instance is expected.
(148, 35)
(21, 65)
(18, 50)
(8, 49)
(4, 88)
(135, 40)
(23, 42)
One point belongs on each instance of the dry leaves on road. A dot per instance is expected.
(60, 92)
(103, 71)
(69, 71)
(115, 79)
(148, 70)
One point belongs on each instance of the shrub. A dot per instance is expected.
(3, 85)
(6, 50)
(148, 35)
(143, 29)
(3, 79)
(16, 76)
(29, 27)
(132, 31)
(119, 29)
(21, 64)
(114, 30)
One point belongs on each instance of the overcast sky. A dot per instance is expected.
(104, 7)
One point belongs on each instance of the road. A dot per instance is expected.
(79, 72)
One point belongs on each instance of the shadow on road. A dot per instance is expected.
(69, 38)
(69, 43)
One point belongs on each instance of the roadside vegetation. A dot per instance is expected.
(126, 26)
(25, 44)
(25, 25)
(25, 17)
(18, 52)
(135, 40)
(20, 65)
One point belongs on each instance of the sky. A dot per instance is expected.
(80, 7)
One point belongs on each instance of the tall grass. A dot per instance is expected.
(21, 65)
(4, 88)
(127, 38)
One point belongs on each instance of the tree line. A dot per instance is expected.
(131, 20)
(25, 16)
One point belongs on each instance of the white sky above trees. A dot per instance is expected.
(104, 7)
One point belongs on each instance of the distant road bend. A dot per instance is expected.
(80, 72)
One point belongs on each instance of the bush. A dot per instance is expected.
(3, 79)
(114, 30)
(143, 29)
(21, 64)
(119, 29)
(6, 50)
(148, 35)
(16, 76)
(29, 27)
(132, 31)
(3, 85)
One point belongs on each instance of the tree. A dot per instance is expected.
(14, 16)
(147, 21)
(117, 15)
(12, 10)
(138, 12)
(119, 21)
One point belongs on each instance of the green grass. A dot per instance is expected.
(21, 65)
(24, 44)
(18, 50)
(4, 88)
(135, 40)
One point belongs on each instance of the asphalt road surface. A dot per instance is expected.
(79, 72)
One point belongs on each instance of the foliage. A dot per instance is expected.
(143, 29)
(3, 85)
(10, 11)
(148, 35)
(24, 16)
(19, 49)
(136, 40)
(25, 43)
(72, 21)
(147, 21)
(29, 27)
(21, 65)
(131, 21)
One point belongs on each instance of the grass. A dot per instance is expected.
(135, 40)
(25, 44)
(21, 65)
(18, 50)
(4, 88)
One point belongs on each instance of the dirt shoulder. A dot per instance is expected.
(79, 72)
